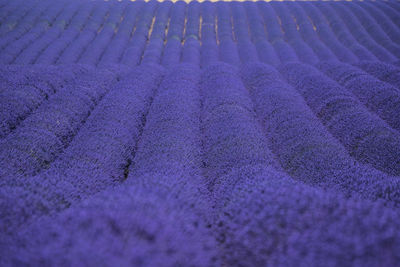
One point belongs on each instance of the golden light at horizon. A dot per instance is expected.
(200, 1)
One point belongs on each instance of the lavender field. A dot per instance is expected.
(199, 134)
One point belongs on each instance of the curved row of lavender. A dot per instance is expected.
(202, 134)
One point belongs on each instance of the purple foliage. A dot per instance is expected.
(25, 24)
(51, 54)
(326, 34)
(361, 35)
(383, 71)
(306, 150)
(265, 218)
(172, 50)
(209, 47)
(343, 34)
(191, 46)
(166, 230)
(96, 158)
(374, 30)
(232, 134)
(114, 50)
(378, 96)
(247, 50)
(30, 54)
(153, 50)
(134, 51)
(73, 52)
(154, 133)
(97, 47)
(309, 35)
(11, 52)
(24, 92)
(265, 50)
(38, 140)
(365, 136)
(127, 225)
(292, 36)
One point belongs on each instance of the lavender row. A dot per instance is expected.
(226, 42)
(26, 24)
(265, 218)
(247, 50)
(308, 34)
(289, 32)
(305, 148)
(97, 158)
(379, 97)
(41, 137)
(390, 12)
(363, 36)
(385, 23)
(394, 6)
(191, 46)
(15, 75)
(274, 209)
(374, 30)
(86, 35)
(274, 34)
(383, 71)
(23, 92)
(172, 49)
(143, 228)
(9, 54)
(51, 54)
(231, 133)
(6, 9)
(341, 32)
(153, 50)
(168, 160)
(208, 37)
(11, 21)
(134, 51)
(292, 36)
(265, 50)
(326, 35)
(96, 48)
(170, 144)
(29, 55)
(365, 136)
(145, 214)
(114, 51)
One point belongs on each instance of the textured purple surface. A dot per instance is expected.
(202, 134)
